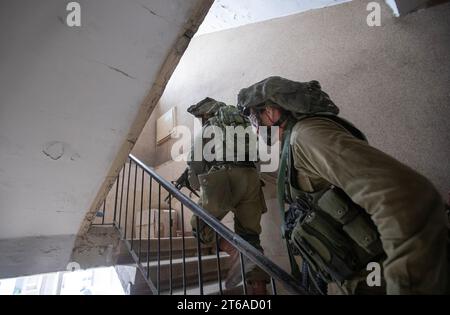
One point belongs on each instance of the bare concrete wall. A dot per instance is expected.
(392, 81)
(71, 99)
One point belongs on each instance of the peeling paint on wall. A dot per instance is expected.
(54, 150)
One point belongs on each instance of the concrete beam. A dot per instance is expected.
(36, 255)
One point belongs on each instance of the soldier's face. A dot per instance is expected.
(269, 116)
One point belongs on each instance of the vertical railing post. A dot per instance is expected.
(133, 223)
(121, 194)
(244, 284)
(115, 199)
(104, 210)
(219, 273)
(274, 288)
(128, 192)
(170, 244)
(159, 240)
(184, 249)
(140, 219)
(149, 223)
(199, 255)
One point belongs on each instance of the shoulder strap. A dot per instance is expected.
(283, 172)
(281, 193)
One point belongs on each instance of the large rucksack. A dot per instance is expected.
(237, 147)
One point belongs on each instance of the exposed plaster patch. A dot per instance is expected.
(99, 247)
(54, 150)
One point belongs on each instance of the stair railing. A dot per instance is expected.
(118, 213)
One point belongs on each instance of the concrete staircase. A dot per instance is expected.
(209, 266)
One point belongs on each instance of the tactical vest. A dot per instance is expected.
(335, 236)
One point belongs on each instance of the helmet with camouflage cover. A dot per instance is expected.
(298, 98)
(208, 107)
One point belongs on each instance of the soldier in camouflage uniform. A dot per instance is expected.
(228, 184)
(334, 181)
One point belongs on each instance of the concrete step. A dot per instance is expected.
(209, 271)
(152, 244)
(209, 288)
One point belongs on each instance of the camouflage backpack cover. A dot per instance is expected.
(236, 132)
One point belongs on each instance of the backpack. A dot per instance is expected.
(237, 148)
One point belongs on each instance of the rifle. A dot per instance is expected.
(181, 182)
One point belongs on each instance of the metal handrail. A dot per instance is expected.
(289, 282)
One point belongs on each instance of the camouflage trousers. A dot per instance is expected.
(236, 189)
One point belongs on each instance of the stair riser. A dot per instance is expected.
(209, 273)
(191, 268)
(177, 244)
(164, 255)
(191, 281)
(175, 254)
